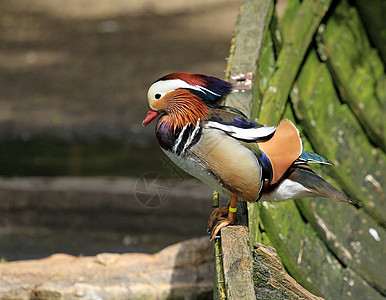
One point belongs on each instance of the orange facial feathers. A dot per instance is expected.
(183, 107)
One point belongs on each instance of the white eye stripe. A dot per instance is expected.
(165, 86)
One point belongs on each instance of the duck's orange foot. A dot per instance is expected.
(218, 221)
(217, 214)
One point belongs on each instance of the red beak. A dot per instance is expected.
(151, 114)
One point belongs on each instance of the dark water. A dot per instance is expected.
(55, 157)
(28, 233)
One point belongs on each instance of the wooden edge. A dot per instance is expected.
(272, 279)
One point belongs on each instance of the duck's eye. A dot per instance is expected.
(157, 96)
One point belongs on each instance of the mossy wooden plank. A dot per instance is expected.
(289, 14)
(265, 68)
(248, 35)
(219, 290)
(307, 258)
(299, 37)
(246, 47)
(357, 70)
(335, 132)
(255, 230)
(355, 239)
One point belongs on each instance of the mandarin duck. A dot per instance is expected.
(233, 155)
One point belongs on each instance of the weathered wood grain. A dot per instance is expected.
(246, 47)
(271, 280)
(237, 261)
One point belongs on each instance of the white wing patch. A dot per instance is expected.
(249, 134)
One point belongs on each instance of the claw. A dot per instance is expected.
(217, 217)
(217, 214)
(219, 225)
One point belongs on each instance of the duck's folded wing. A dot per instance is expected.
(237, 125)
(277, 148)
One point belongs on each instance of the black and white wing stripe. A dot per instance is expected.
(251, 134)
(234, 123)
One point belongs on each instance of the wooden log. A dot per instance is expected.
(271, 279)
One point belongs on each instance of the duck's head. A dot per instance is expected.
(184, 97)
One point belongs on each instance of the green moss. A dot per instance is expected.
(335, 133)
(298, 38)
(357, 70)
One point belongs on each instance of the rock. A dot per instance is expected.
(180, 271)
(107, 258)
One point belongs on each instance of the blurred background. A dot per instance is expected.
(78, 173)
